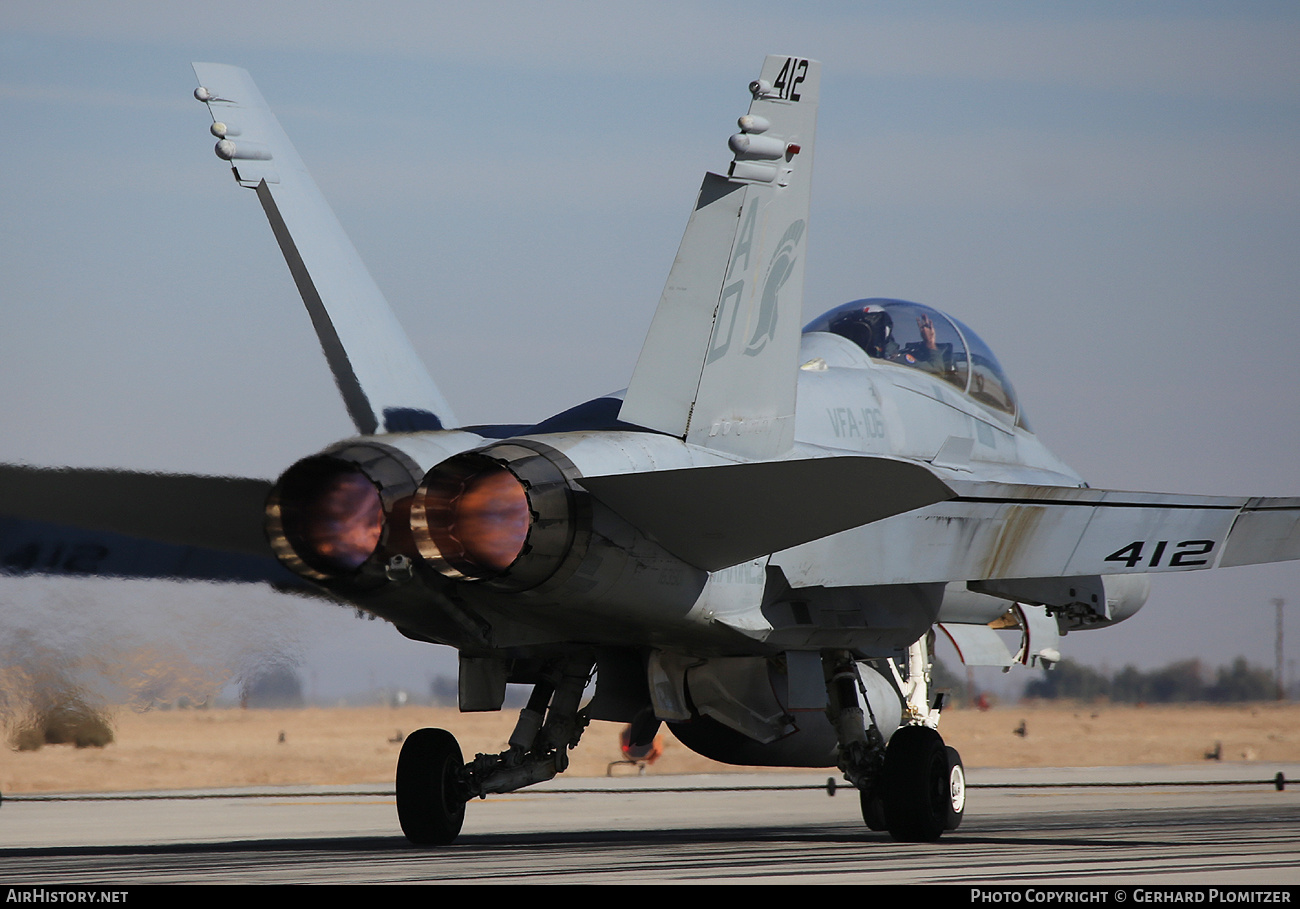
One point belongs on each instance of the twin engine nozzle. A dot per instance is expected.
(506, 515)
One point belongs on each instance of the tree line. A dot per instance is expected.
(1180, 682)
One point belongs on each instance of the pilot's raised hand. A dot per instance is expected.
(927, 331)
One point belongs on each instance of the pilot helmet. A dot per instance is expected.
(870, 327)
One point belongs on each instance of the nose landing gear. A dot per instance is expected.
(922, 786)
(915, 786)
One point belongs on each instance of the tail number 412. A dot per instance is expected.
(1187, 554)
(787, 83)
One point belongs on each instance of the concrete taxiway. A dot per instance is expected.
(1224, 823)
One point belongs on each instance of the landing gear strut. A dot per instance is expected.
(434, 782)
(915, 787)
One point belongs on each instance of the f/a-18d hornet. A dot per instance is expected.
(754, 543)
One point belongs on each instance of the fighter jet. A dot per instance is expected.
(754, 543)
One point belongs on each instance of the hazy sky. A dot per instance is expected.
(1109, 193)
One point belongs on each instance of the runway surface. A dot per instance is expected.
(1021, 827)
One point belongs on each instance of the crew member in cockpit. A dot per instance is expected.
(872, 329)
(925, 354)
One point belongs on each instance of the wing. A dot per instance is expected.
(999, 531)
(718, 367)
(384, 385)
(134, 525)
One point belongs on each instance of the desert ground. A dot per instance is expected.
(218, 747)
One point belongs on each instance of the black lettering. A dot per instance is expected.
(1185, 554)
(1130, 555)
(803, 71)
(1160, 550)
(23, 558)
(85, 558)
(1188, 551)
(779, 84)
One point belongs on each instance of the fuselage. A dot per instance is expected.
(579, 572)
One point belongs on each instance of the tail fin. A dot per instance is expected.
(383, 383)
(719, 366)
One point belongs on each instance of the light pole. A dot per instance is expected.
(1277, 651)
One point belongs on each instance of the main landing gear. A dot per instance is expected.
(431, 787)
(434, 783)
(914, 787)
(921, 788)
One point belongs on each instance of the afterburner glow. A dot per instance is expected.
(504, 515)
(475, 521)
(331, 515)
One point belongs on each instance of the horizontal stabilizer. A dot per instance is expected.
(111, 523)
(39, 548)
(222, 513)
(384, 384)
(715, 517)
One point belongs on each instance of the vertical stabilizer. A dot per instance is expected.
(384, 385)
(719, 366)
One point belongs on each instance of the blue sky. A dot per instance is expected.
(1107, 192)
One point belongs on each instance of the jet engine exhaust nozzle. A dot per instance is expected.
(330, 516)
(504, 515)
(340, 515)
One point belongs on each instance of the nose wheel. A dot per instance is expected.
(921, 791)
(431, 791)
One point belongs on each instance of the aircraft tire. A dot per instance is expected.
(873, 809)
(430, 798)
(915, 785)
(956, 789)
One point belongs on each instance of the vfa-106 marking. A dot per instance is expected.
(753, 543)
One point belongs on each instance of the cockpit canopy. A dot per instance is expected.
(918, 337)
